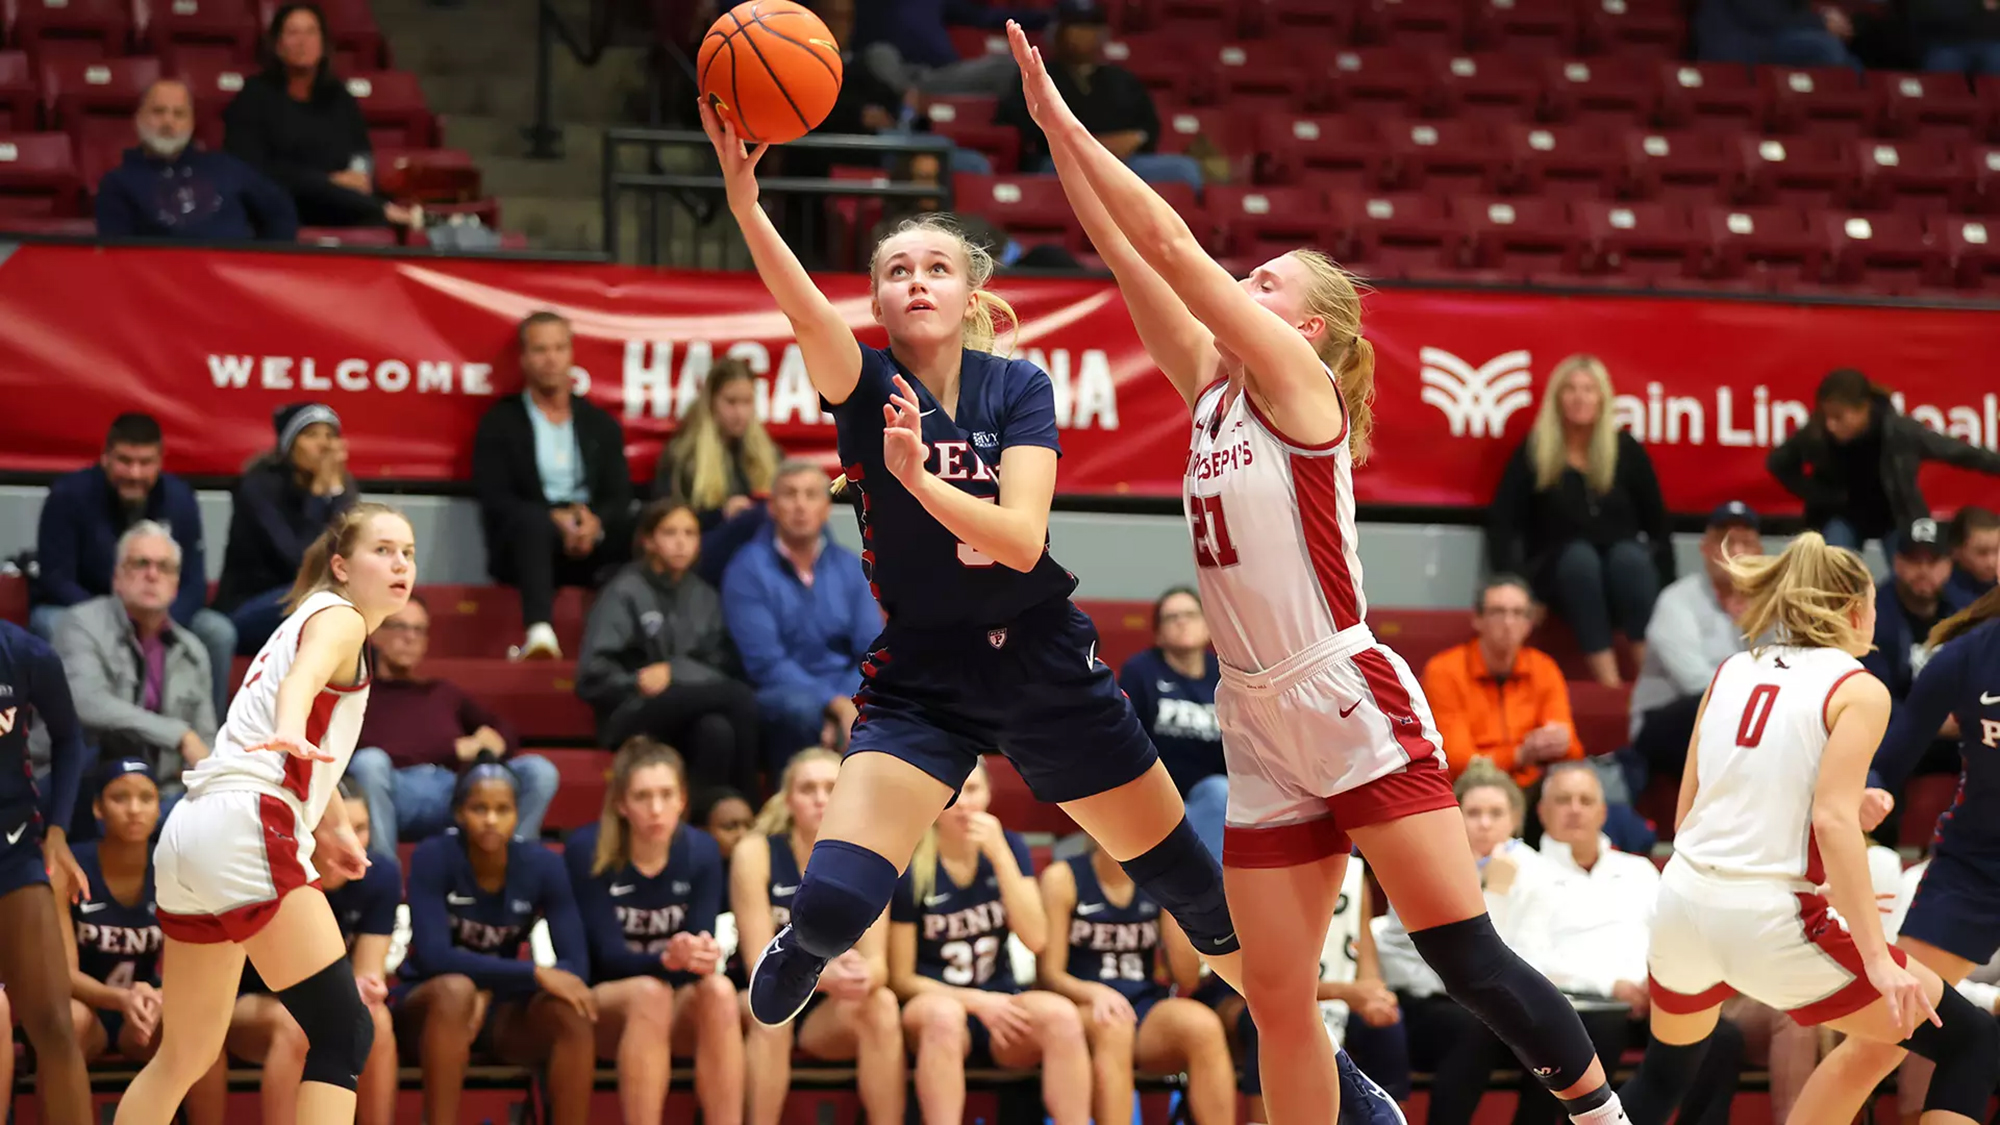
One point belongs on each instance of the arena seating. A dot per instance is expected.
(72, 72)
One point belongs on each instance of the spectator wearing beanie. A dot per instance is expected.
(283, 501)
(169, 187)
(1855, 462)
(1692, 632)
(296, 123)
(1579, 512)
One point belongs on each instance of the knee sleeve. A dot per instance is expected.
(1967, 1053)
(843, 891)
(1184, 877)
(339, 1032)
(1662, 1080)
(1521, 1007)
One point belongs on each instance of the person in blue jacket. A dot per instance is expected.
(969, 887)
(262, 1031)
(648, 888)
(853, 1015)
(34, 854)
(168, 186)
(475, 892)
(1953, 923)
(113, 938)
(1172, 687)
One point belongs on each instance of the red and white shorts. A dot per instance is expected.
(1334, 738)
(224, 862)
(1715, 936)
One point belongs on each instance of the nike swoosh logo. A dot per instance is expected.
(781, 890)
(1225, 939)
(1163, 686)
(622, 888)
(1986, 700)
(1093, 908)
(94, 907)
(460, 900)
(928, 413)
(937, 900)
(15, 836)
(1349, 709)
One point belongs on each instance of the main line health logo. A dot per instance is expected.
(1476, 401)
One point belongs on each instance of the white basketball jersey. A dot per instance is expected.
(1757, 762)
(333, 724)
(1340, 957)
(1273, 527)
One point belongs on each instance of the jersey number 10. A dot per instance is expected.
(1212, 545)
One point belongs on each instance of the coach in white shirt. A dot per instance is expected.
(1598, 931)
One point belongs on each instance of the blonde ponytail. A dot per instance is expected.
(1333, 296)
(1357, 390)
(1805, 596)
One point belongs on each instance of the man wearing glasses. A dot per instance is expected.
(141, 680)
(1495, 697)
(82, 518)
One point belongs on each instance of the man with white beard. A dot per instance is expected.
(170, 187)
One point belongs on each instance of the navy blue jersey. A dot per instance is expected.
(32, 683)
(458, 927)
(784, 879)
(1179, 712)
(628, 917)
(1113, 944)
(923, 576)
(116, 942)
(1960, 679)
(962, 931)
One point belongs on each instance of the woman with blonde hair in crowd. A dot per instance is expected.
(721, 462)
(970, 887)
(1579, 511)
(853, 1014)
(648, 888)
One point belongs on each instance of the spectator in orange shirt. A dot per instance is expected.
(1494, 697)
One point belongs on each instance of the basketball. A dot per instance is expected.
(771, 68)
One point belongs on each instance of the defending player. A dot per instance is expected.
(1326, 733)
(952, 452)
(235, 867)
(1769, 815)
(1953, 925)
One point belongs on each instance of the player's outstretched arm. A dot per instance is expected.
(1275, 353)
(833, 358)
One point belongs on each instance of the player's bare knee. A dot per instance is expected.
(879, 1020)
(452, 996)
(288, 1042)
(936, 1021)
(717, 998)
(46, 1025)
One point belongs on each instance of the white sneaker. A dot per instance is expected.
(539, 645)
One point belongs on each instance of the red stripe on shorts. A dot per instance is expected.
(1393, 700)
(1823, 930)
(279, 826)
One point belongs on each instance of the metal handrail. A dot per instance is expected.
(543, 136)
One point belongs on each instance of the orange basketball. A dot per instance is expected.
(771, 68)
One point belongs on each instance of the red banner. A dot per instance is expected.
(411, 352)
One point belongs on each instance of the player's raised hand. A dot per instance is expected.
(739, 163)
(903, 449)
(1045, 102)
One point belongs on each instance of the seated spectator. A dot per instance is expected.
(1119, 962)
(474, 894)
(1855, 461)
(1692, 632)
(867, 104)
(282, 502)
(296, 123)
(801, 614)
(721, 463)
(725, 814)
(656, 658)
(1956, 37)
(420, 734)
(1496, 698)
(1908, 605)
(1596, 922)
(648, 889)
(85, 513)
(140, 681)
(968, 889)
(170, 187)
(907, 45)
(853, 1016)
(1172, 687)
(1579, 512)
(1975, 553)
(1777, 32)
(554, 490)
(1109, 100)
(262, 1031)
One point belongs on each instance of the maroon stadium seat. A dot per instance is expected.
(1216, 19)
(38, 176)
(100, 146)
(393, 103)
(1343, 150)
(1266, 74)
(1395, 234)
(46, 225)
(1166, 61)
(1972, 247)
(18, 96)
(1497, 85)
(1255, 224)
(74, 88)
(1772, 245)
(223, 30)
(1979, 178)
(1807, 170)
(1568, 161)
(1827, 100)
(427, 175)
(1436, 25)
(1633, 29)
(1690, 92)
(1527, 27)
(967, 121)
(1232, 133)
(1522, 236)
(1916, 174)
(1314, 21)
(1942, 106)
(49, 29)
(1598, 90)
(1443, 156)
(1648, 242)
(1891, 253)
(1031, 208)
(1378, 80)
(1685, 165)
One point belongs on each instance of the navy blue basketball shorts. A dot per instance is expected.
(1956, 908)
(1032, 689)
(21, 860)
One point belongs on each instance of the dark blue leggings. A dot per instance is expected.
(1597, 591)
